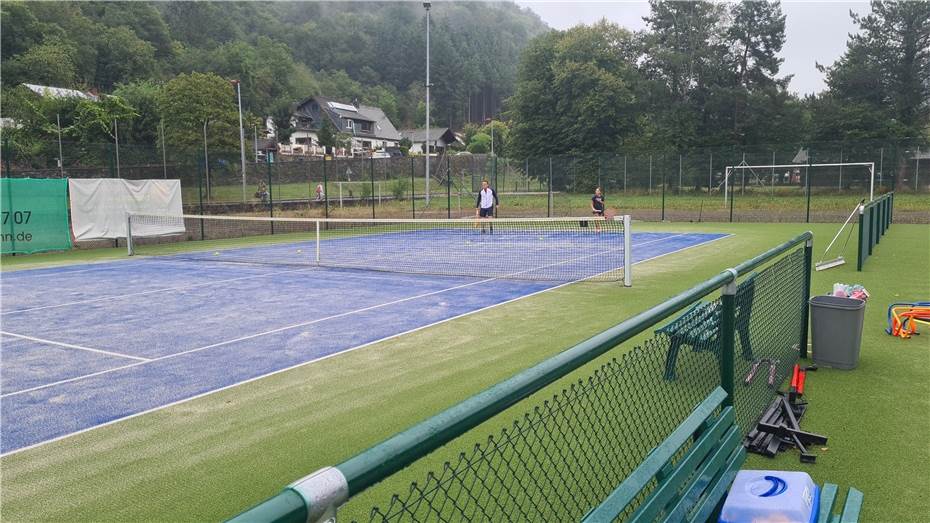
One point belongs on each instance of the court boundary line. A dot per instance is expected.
(328, 356)
(71, 346)
(318, 320)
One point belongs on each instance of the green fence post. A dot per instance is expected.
(862, 239)
(549, 192)
(449, 184)
(807, 183)
(727, 328)
(325, 189)
(200, 194)
(805, 315)
(732, 197)
(413, 189)
(664, 182)
(371, 176)
(270, 196)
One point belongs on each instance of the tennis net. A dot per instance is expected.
(551, 249)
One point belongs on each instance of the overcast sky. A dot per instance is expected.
(816, 31)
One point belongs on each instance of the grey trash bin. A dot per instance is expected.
(836, 331)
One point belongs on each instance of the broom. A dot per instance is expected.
(839, 260)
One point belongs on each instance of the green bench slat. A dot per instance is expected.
(852, 507)
(670, 486)
(827, 500)
(630, 488)
(714, 479)
(714, 500)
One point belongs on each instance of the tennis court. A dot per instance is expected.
(87, 345)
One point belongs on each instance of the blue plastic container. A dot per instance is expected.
(760, 496)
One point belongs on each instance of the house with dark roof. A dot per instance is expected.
(439, 139)
(368, 127)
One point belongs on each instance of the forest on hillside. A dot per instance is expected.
(701, 74)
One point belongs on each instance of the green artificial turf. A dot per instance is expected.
(209, 458)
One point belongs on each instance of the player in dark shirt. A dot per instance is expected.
(597, 207)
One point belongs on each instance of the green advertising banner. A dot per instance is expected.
(34, 215)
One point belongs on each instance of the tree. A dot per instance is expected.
(405, 144)
(480, 144)
(576, 92)
(143, 98)
(885, 73)
(190, 101)
(50, 63)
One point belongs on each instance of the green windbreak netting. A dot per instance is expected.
(34, 215)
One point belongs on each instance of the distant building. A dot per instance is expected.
(439, 139)
(369, 128)
(60, 92)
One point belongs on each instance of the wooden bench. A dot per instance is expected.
(697, 483)
(695, 486)
(699, 327)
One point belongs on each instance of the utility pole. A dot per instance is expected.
(241, 134)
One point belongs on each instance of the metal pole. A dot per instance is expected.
(61, 157)
(805, 310)
(164, 157)
(732, 197)
(916, 170)
(728, 346)
(624, 174)
(241, 135)
(841, 174)
(200, 198)
(627, 252)
(426, 138)
(255, 138)
(650, 174)
(679, 174)
(881, 166)
(710, 174)
(116, 135)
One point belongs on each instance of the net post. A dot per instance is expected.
(807, 183)
(728, 338)
(318, 242)
(549, 197)
(129, 249)
(413, 190)
(805, 314)
(325, 188)
(627, 253)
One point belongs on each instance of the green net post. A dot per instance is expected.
(413, 189)
(805, 314)
(728, 338)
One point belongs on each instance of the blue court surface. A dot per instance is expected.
(86, 345)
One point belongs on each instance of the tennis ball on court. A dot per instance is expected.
(299, 251)
(217, 253)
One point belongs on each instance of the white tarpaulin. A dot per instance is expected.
(99, 206)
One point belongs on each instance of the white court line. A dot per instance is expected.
(70, 346)
(328, 356)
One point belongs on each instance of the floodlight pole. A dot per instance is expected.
(164, 158)
(241, 134)
(116, 137)
(426, 5)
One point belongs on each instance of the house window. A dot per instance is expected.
(366, 145)
(366, 127)
(348, 123)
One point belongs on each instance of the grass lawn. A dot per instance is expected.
(210, 458)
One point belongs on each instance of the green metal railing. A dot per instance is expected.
(563, 456)
(874, 219)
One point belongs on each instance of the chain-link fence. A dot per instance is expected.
(772, 183)
(563, 453)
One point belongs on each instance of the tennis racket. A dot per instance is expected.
(609, 214)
